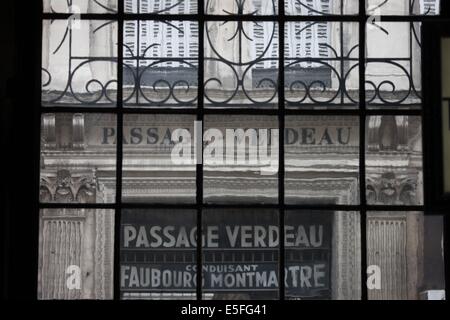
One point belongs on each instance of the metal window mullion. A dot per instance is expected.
(119, 150)
(362, 143)
(199, 165)
(319, 207)
(244, 17)
(234, 111)
(281, 129)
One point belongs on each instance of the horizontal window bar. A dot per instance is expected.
(208, 17)
(232, 111)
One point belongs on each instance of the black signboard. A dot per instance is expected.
(240, 248)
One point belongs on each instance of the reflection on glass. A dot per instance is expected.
(239, 7)
(240, 255)
(161, 6)
(80, 6)
(321, 160)
(150, 172)
(241, 64)
(405, 256)
(308, 258)
(394, 173)
(76, 254)
(321, 64)
(393, 65)
(240, 159)
(160, 63)
(158, 254)
(321, 7)
(79, 66)
(78, 158)
(403, 7)
(322, 257)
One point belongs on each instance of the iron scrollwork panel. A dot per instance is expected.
(321, 64)
(160, 63)
(80, 6)
(393, 67)
(321, 7)
(403, 7)
(241, 7)
(79, 63)
(161, 6)
(241, 64)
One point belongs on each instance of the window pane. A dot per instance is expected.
(78, 158)
(241, 64)
(241, 254)
(393, 65)
(160, 63)
(158, 254)
(80, 6)
(240, 159)
(321, 7)
(79, 66)
(321, 64)
(321, 160)
(445, 62)
(322, 258)
(161, 6)
(239, 7)
(405, 256)
(150, 172)
(403, 7)
(76, 254)
(394, 174)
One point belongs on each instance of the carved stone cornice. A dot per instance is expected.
(392, 188)
(65, 187)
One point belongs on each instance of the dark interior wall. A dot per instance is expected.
(7, 72)
(20, 56)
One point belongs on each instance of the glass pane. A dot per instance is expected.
(405, 256)
(79, 66)
(321, 160)
(151, 172)
(321, 7)
(403, 7)
(322, 257)
(78, 158)
(160, 64)
(239, 7)
(80, 6)
(158, 254)
(161, 6)
(240, 159)
(394, 173)
(76, 254)
(321, 64)
(241, 64)
(393, 65)
(240, 255)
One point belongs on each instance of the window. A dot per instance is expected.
(235, 143)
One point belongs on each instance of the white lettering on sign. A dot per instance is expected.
(245, 236)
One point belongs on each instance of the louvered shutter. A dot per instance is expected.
(306, 39)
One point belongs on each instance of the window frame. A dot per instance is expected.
(429, 206)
